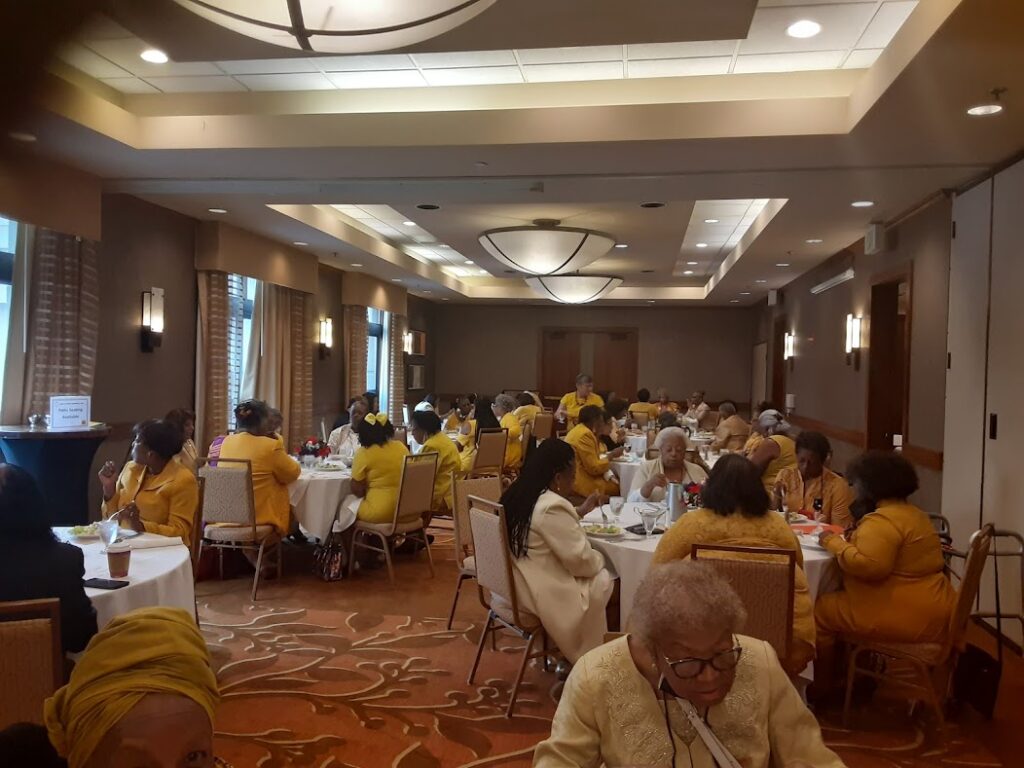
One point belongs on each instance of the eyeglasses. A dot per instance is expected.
(723, 661)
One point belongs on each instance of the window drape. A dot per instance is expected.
(212, 401)
(279, 362)
(355, 329)
(63, 319)
(396, 366)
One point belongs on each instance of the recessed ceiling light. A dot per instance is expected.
(862, 203)
(803, 29)
(702, 245)
(760, 281)
(652, 204)
(428, 207)
(299, 242)
(621, 245)
(468, 261)
(744, 293)
(650, 301)
(443, 245)
(710, 221)
(425, 291)
(782, 264)
(444, 298)
(396, 279)
(409, 223)
(481, 163)
(154, 56)
(814, 241)
(691, 263)
(24, 136)
(984, 110)
(734, 301)
(688, 272)
(357, 265)
(217, 210)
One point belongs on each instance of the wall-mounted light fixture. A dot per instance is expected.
(407, 343)
(326, 337)
(152, 319)
(853, 327)
(789, 348)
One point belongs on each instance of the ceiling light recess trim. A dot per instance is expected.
(547, 248)
(832, 282)
(360, 28)
(574, 289)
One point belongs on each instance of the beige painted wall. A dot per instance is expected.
(230, 249)
(366, 291)
(490, 348)
(48, 194)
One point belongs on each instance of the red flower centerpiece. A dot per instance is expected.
(314, 446)
(692, 494)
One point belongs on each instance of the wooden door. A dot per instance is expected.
(559, 361)
(616, 362)
(779, 331)
(889, 362)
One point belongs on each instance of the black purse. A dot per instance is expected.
(329, 558)
(977, 675)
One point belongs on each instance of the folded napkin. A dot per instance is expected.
(153, 540)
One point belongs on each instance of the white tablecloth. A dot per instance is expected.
(158, 576)
(631, 558)
(638, 444)
(316, 497)
(625, 471)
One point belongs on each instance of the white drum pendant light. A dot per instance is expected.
(339, 26)
(546, 248)
(574, 289)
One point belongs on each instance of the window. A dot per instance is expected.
(374, 350)
(241, 295)
(8, 246)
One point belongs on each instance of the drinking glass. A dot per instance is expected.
(649, 516)
(108, 531)
(616, 503)
(627, 451)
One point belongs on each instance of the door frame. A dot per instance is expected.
(578, 329)
(902, 273)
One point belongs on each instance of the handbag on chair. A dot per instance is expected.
(329, 557)
(977, 675)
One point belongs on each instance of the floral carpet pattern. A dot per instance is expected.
(335, 689)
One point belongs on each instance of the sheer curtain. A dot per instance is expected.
(397, 326)
(279, 362)
(211, 358)
(63, 320)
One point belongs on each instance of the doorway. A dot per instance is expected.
(610, 355)
(888, 361)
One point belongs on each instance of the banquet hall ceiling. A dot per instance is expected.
(776, 157)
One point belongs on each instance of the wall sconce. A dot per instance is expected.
(853, 327)
(326, 337)
(407, 343)
(152, 319)
(789, 348)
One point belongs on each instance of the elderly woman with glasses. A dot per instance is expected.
(683, 689)
(670, 466)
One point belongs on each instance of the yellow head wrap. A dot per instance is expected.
(150, 650)
(377, 418)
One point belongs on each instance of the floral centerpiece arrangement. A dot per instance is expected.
(314, 446)
(692, 495)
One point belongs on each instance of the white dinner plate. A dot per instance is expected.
(590, 530)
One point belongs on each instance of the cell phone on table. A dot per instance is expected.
(105, 583)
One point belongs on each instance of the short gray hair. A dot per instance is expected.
(668, 433)
(507, 403)
(773, 422)
(727, 408)
(681, 594)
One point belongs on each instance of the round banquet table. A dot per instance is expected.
(316, 498)
(630, 558)
(625, 470)
(159, 573)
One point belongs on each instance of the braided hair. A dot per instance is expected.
(547, 460)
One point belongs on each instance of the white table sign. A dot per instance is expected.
(68, 411)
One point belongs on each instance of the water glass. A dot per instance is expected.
(616, 503)
(627, 450)
(108, 530)
(650, 519)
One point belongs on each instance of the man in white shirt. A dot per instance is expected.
(344, 441)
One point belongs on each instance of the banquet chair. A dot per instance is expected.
(494, 574)
(463, 487)
(415, 496)
(31, 659)
(764, 579)
(543, 426)
(924, 670)
(228, 500)
(641, 419)
(490, 452)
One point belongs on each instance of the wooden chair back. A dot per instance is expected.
(543, 425)
(490, 452)
(31, 658)
(493, 556)
(416, 492)
(463, 486)
(227, 492)
(765, 580)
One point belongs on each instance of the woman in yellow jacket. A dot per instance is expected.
(469, 434)
(377, 469)
(736, 513)
(154, 493)
(273, 470)
(894, 583)
(777, 451)
(505, 411)
(592, 471)
(426, 431)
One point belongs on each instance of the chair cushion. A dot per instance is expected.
(385, 528)
(931, 654)
(527, 621)
(236, 532)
